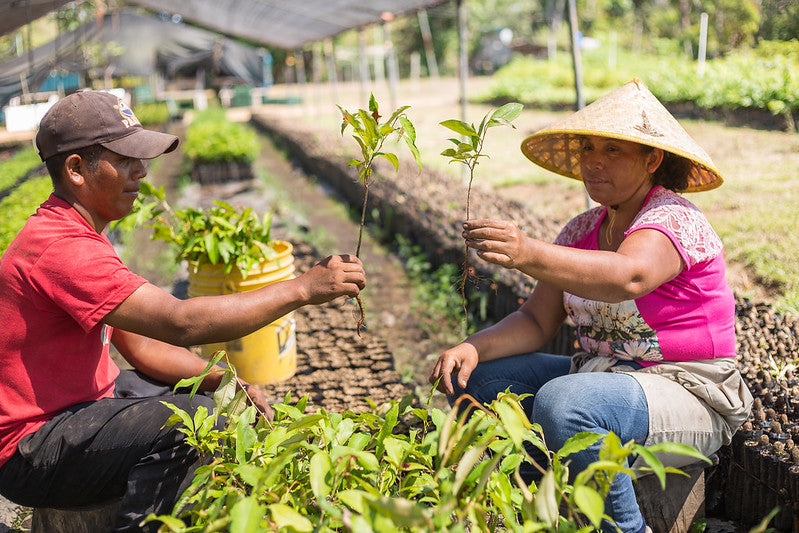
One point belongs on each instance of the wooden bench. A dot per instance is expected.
(89, 519)
(674, 509)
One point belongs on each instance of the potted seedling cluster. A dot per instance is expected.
(228, 249)
(218, 149)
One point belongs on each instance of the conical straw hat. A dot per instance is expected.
(630, 113)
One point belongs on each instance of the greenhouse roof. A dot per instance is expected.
(285, 24)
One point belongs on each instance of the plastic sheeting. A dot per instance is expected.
(16, 13)
(286, 24)
(149, 44)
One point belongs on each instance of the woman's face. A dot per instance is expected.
(616, 171)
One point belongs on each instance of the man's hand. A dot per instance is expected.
(462, 358)
(334, 276)
(256, 397)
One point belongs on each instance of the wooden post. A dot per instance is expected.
(427, 39)
(578, 71)
(393, 69)
(700, 66)
(363, 65)
(415, 71)
(556, 13)
(380, 59)
(317, 74)
(463, 70)
(330, 63)
(576, 58)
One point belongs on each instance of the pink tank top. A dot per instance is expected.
(690, 317)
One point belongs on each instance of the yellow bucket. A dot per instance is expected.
(269, 354)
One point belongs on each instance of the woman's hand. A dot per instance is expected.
(461, 359)
(496, 241)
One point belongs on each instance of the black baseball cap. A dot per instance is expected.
(86, 118)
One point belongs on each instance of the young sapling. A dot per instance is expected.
(371, 134)
(468, 151)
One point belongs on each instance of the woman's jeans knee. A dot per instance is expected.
(566, 404)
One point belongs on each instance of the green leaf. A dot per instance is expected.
(505, 114)
(515, 423)
(211, 248)
(403, 513)
(546, 504)
(408, 130)
(590, 503)
(318, 471)
(578, 443)
(458, 126)
(246, 516)
(678, 448)
(369, 134)
(286, 517)
(354, 499)
(392, 158)
(250, 474)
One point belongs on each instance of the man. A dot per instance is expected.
(69, 436)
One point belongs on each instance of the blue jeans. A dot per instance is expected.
(565, 404)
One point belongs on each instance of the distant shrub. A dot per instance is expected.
(152, 113)
(764, 78)
(212, 138)
(19, 205)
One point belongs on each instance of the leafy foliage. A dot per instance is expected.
(761, 78)
(398, 467)
(152, 113)
(212, 138)
(11, 170)
(19, 205)
(468, 152)
(223, 234)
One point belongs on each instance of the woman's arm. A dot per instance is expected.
(645, 260)
(154, 313)
(523, 331)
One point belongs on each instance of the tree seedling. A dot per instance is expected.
(371, 134)
(468, 151)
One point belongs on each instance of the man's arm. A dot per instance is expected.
(152, 312)
(169, 364)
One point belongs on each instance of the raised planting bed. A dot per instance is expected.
(757, 472)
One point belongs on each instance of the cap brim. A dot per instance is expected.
(143, 144)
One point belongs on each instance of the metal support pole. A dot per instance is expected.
(427, 39)
(576, 58)
(578, 70)
(393, 70)
(363, 65)
(463, 70)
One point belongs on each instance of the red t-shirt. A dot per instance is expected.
(58, 280)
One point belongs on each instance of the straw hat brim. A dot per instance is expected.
(630, 113)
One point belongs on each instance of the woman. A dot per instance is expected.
(641, 276)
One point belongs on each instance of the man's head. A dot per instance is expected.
(88, 118)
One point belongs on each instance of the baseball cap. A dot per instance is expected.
(86, 118)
